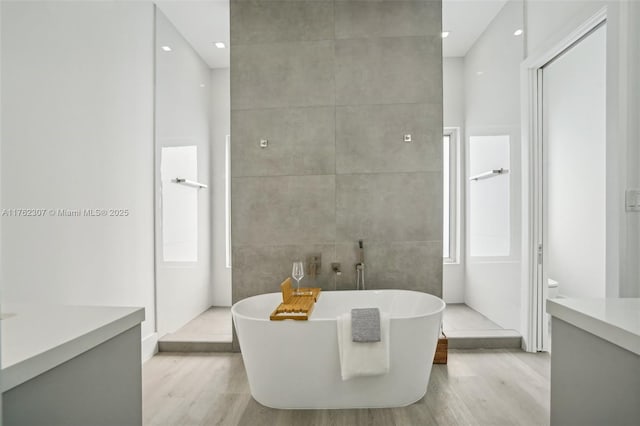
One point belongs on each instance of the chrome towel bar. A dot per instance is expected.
(489, 174)
(188, 182)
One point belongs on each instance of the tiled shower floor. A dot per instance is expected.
(208, 332)
(469, 329)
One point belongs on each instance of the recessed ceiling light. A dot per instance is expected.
(518, 32)
(166, 48)
(445, 34)
(220, 45)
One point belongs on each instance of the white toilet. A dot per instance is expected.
(552, 293)
(552, 289)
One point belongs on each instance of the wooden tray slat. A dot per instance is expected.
(296, 305)
(308, 292)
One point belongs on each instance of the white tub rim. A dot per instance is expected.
(440, 308)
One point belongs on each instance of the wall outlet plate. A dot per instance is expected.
(407, 137)
(264, 143)
(632, 200)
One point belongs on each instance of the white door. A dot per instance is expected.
(574, 174)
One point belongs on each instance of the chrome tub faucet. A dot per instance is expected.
(360, 268)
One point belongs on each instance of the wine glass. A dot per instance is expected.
(297, 273)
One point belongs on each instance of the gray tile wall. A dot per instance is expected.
(334, 86)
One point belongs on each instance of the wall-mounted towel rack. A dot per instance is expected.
(188, 182)
(489, 174)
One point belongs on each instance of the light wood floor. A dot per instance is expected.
(477, 387)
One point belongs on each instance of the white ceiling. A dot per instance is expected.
(203, 22)
(466, 20)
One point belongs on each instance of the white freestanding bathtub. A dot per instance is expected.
(295, 364)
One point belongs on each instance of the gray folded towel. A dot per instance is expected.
(365, 325)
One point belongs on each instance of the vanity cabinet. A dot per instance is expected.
(71, 365)
(595, 362)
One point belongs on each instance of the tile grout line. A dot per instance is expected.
(436, 36)
(335, 151)
(419, 172)
(334, 105)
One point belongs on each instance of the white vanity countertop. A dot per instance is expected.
(36, 338)
(614, 320)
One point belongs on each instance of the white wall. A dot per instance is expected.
(492, 86)
(77, 104)
(453, 115)
(548, 23)
(182, 118)
(220, 128)
(493, 98)
(630, 285)
(574, 148)
(453, 88)
(0, 198)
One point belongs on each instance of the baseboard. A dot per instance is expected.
(149, 346)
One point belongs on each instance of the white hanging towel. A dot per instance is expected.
(362, 359)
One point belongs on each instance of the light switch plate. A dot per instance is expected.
(407, 137)
(264, 143)
(632, 200)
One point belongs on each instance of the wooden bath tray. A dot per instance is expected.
(296, 305)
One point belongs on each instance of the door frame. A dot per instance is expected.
(532, 183)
